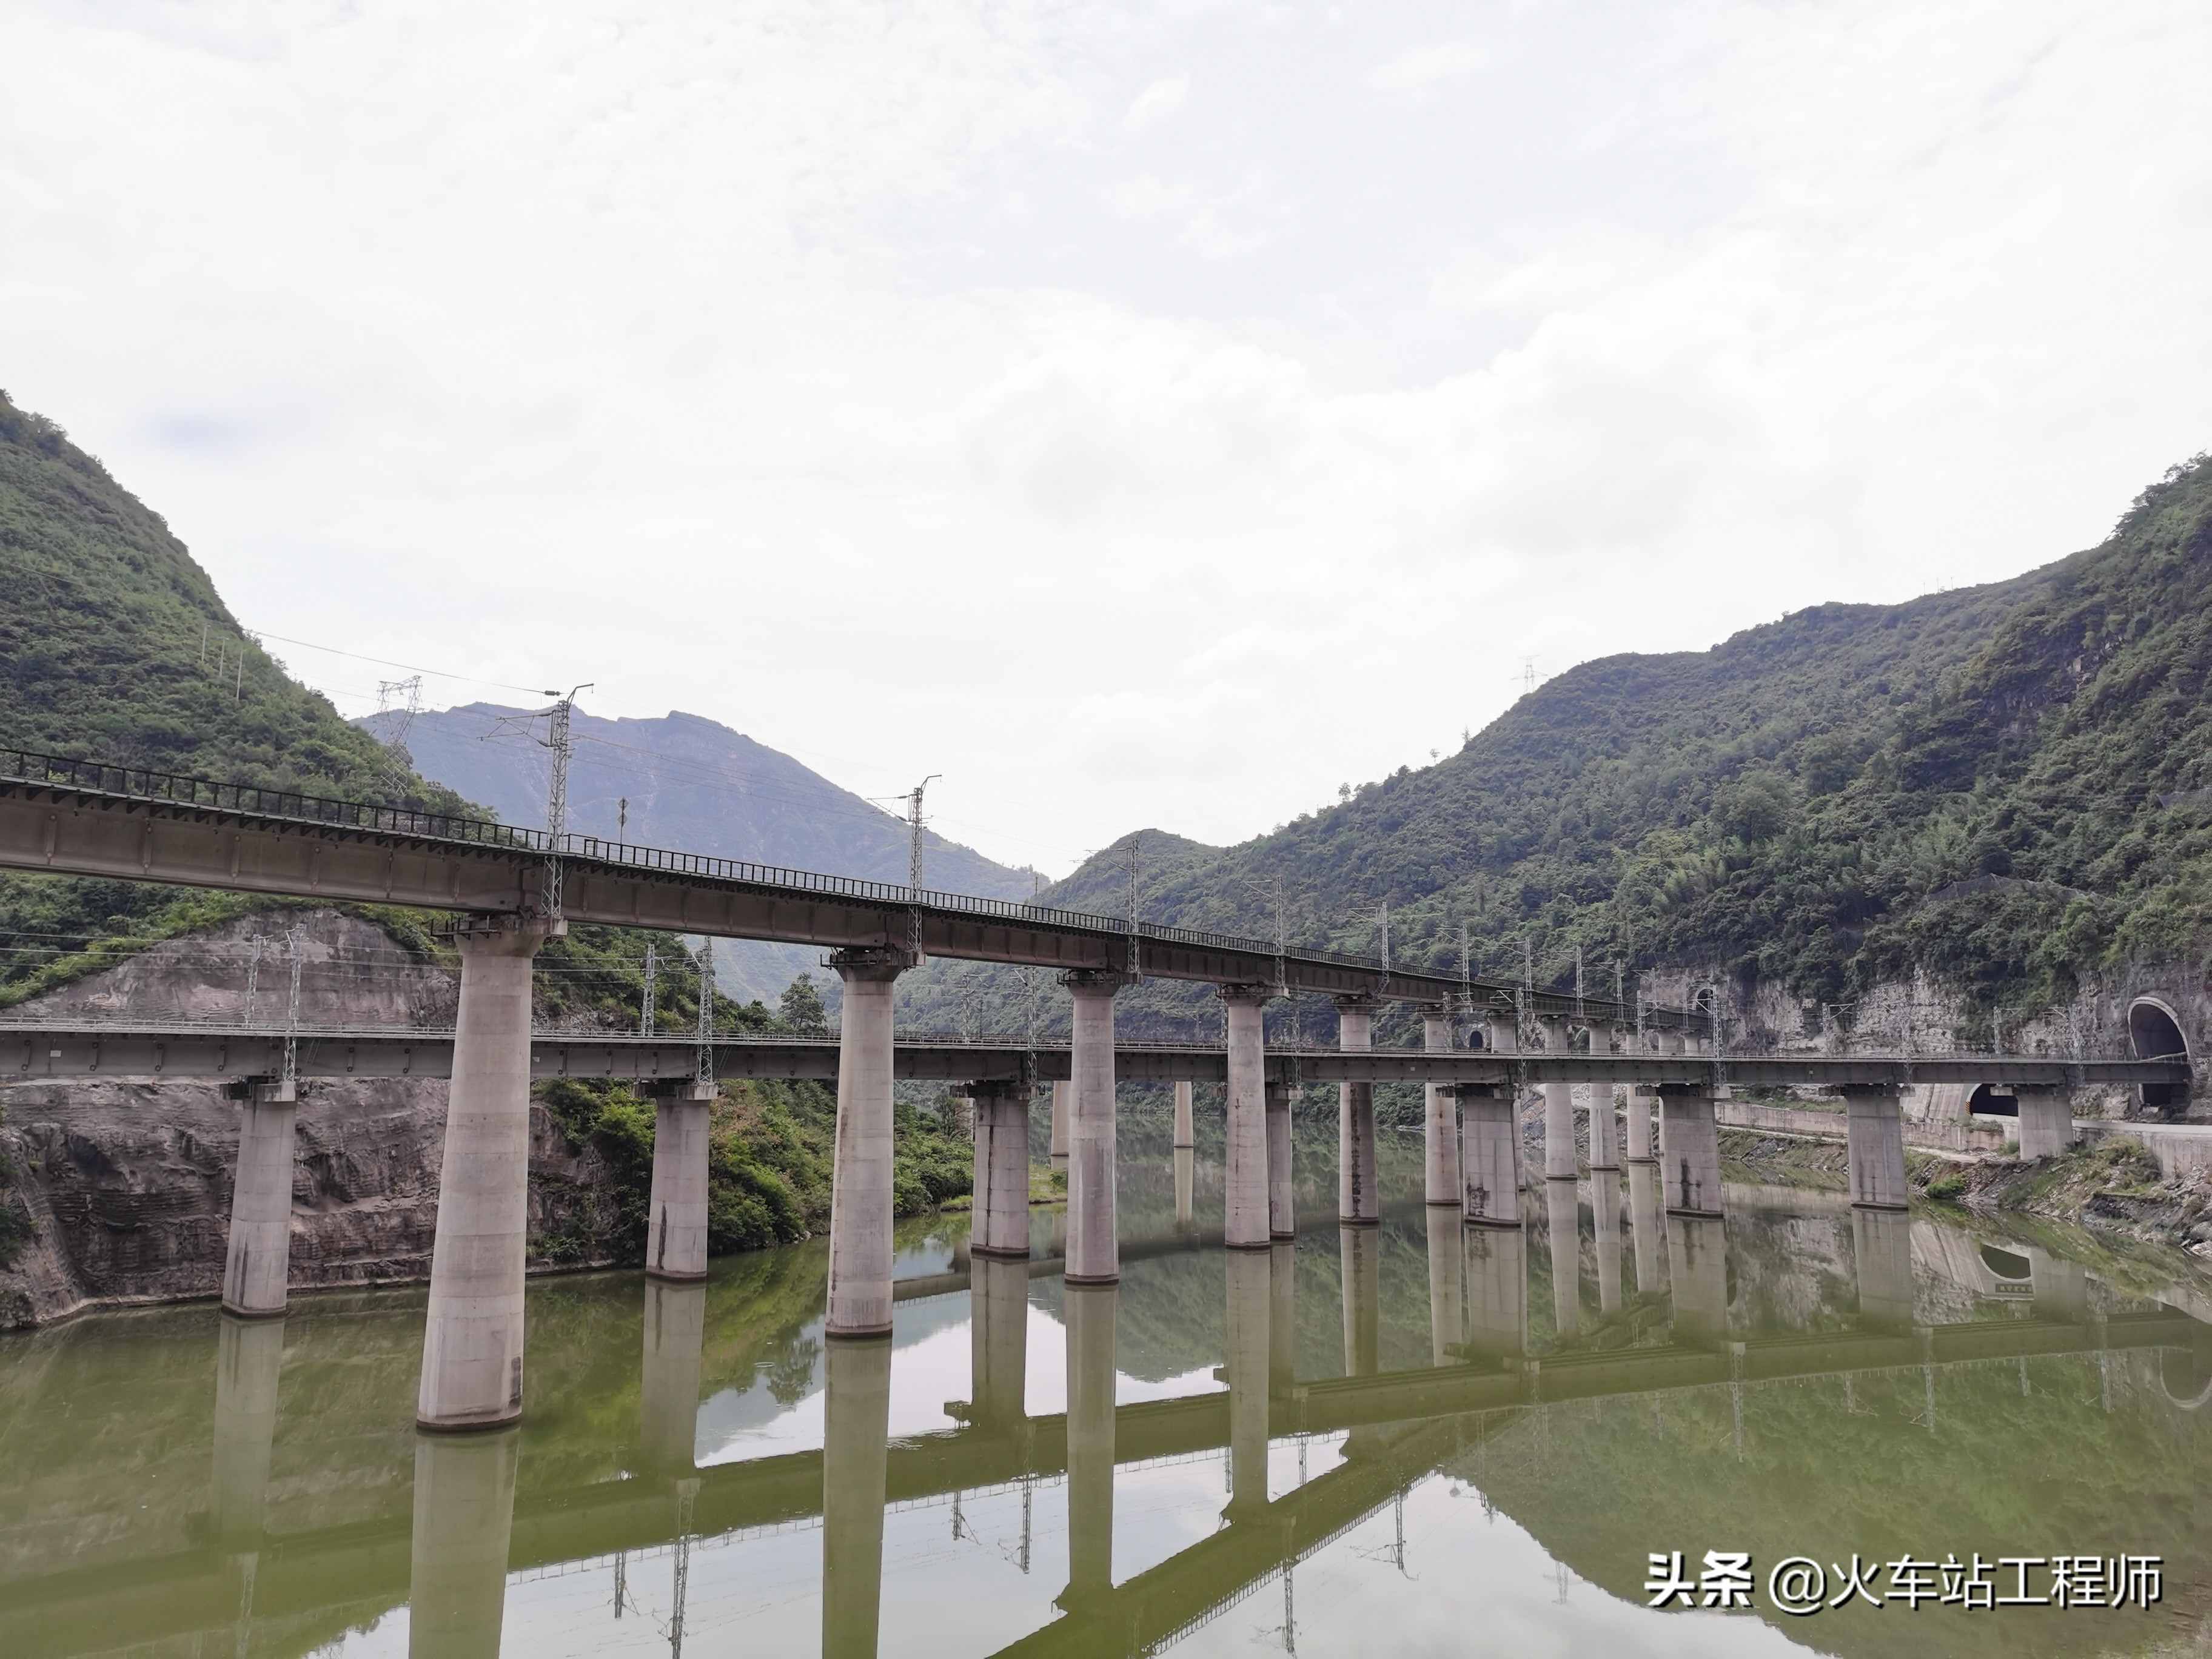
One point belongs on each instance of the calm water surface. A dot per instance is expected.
(1411, 1439)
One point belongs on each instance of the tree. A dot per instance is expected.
(800, 1006)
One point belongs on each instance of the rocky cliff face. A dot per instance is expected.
(127, 1182)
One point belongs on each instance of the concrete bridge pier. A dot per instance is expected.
(2047, 1120)
(676, 1238)
(1604, 1120)
(1186, 1131)
(1559, 1161)
(1359, 1255)
(1881, 1254)
(1605, 1212)
(1563, 1214)
(1639, 1136)
(1062, 1113)
(855, 1462)
(1186, 1187)
(1875, 1148)
(464, 1519)
(1447, 1281)
(1439, 1118)
(1094, 1250)
(999, 1342)
(249, 1361)
(2060, 1289)
(1644, 1224)
(258, 1266)
(1497, 1293)
(668, 1389)
(1090, 1312)
(1250, 1292)
(1244, 1198)
(1689, 1151)
(1282, 1202)
(1697, 1250)
(473, 1338)
(1489, 1164)
(1357, 1203)
(1001, 1203)
(860, 1178)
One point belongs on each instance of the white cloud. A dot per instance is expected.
(944, 388)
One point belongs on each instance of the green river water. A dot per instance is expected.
(1414, 1439)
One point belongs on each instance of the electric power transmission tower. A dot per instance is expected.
(294, 939)
(914, 822)
(255, 947)
(397, 703)
(645, 1004)
(1136, 949)
(556, 794)
(705, 1071)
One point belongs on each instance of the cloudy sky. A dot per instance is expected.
(1141, 415)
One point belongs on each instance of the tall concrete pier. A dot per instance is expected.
(1881, 1254)
(1093, 1238)
(2047, 1120)
(1639, 1136)
(1002, 1170)
(1497, 1293)
(472, 1340)
(675, 1232)
(860, 1178)
(258, 1267)
(1091, 1311)
(249, 1362)
(1186, 1187)
(1282, 1202)
(1282, 1318)
(1605, 1214)
(1062, 1116)
(1559, 1162)
(1604, 1126)
(1876, 1147)
(1697, 1250)
(1244, 1198)
(1186, 1130)
(1563, 1216)
(1439, 1118)
(1644, 1225)
(1359, 1256)
(856, 1464)
(1490, 1161)
(1356, 1201)
(463, 1521)
(1447, 1276)
(1689, 1152)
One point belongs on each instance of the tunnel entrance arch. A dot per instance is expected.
(2155, 1033)
(1985, 1101)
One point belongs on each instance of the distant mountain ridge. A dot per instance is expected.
(689, 783)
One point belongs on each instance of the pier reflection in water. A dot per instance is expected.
(1295, 1446)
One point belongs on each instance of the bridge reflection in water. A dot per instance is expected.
(1812, 1380)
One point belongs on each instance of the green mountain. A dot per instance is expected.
(2004, 786)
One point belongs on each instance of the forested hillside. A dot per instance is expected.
(2004, 785)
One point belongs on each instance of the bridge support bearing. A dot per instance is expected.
(1490, 1161)
(1002, 1170)
(668, 1388)
(258, 1267)
(1439, 1118)
(860, 1179)
(1090, 1310)
(1357, 1203)
(676, 1238)
(1186, 1132)
(1282, 1205)
(1245, 1200)
(1559, 1161)
(472, 1341)
(856, 1464)
(1094, 1255)
(1604, 1125)
(2046, 1121)
(1689, 1153)
(1876, 1131)
(464, 1522)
